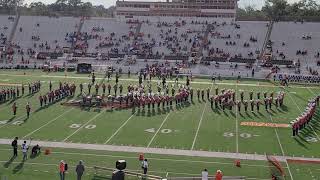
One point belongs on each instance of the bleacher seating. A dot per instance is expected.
(34, 31)
(5, 28)
(289, 37)
(244, 39)
(108, 35)
(178, 38)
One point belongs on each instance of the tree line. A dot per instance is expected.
(58, 8)
(281, 10)
(271, 10)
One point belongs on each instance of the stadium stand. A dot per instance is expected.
(44, 33)
(5, 28)
(108, 36)
(302, 44)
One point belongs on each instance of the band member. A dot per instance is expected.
(41, 100)
(238, 103)
(28, 109)
(148, 101)
(120, 88)
(14, 108)
(266, 103)
(198, 94)
(208, 93)
(265, 94)
(152, 101)
(115, 88)
(173, 91)
(276, 102)
(258, 95)
(97, 88)
(202, 94)
(251, 95)
(45, 99)
(258, 105)
(104, 88)
(22, 89)
(233, 94)
(216, 100)
(241, 96)
(217, 90)
(109, 89)
(80, 86)
(270, 102)
(252, 105)
(191, 94)
(89, 88)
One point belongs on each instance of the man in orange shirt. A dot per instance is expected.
(219, 175)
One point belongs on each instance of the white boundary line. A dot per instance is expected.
(200, 122)
(282, 151)
(155, 134)
(93, 118)
(117, 131)
(48, 123)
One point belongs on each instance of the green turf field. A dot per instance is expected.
(192, 127)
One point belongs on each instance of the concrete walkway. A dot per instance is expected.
(162, 151)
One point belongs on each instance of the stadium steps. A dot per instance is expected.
(204, 40)
(267, 38)
(138, 30)
(14, 28)
(81, 22)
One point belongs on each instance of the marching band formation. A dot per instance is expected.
(304, 119)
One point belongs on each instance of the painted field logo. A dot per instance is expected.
(262, 124)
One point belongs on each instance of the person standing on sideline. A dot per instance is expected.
(14, 145)
(219, 175)
(145, 166)
(80, 170)
(25, 148)
(62, 169)
(204, 174)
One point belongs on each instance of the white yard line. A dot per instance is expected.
(237, 126)
(47, 123)
(94, 117)
(200, 122)
(155, 134)
(117, 131)
(282, 151)
(302, 111)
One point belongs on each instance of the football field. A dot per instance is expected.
(195, 126)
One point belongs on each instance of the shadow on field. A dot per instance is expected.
(284, 108)
(8, 163)
(11, 119)
(18, 167)
(97, 177)
(299, 141)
